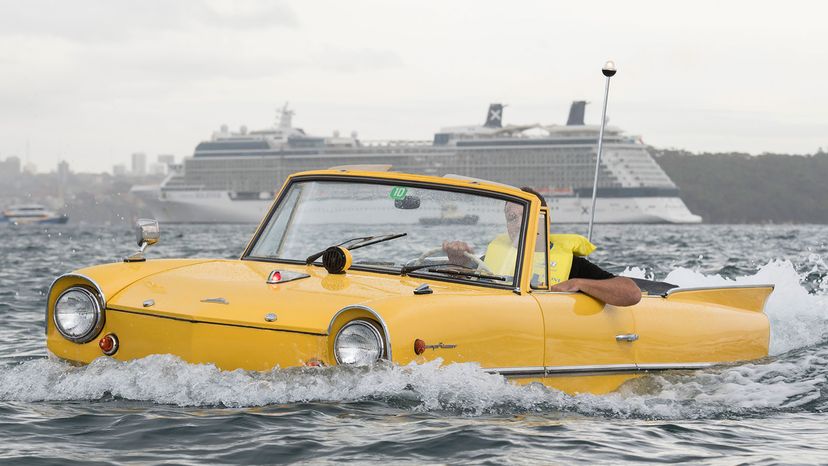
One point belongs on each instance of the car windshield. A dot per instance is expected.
(314, 215)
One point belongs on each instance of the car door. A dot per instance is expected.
(581, 334)
(461, 323)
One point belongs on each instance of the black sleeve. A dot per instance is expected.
(582, 268)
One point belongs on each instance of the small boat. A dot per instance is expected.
(31, 214)
(450, 216)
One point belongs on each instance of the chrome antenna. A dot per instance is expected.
(609, 71)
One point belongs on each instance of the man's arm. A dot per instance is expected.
(590, 279)
(617, 291)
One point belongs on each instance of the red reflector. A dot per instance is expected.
(314, 363)
(276, 276)
(108, 344)
(419, 347)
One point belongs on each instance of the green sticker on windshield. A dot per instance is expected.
(398, 193)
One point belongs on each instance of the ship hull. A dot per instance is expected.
(219, 207)
(203, 207)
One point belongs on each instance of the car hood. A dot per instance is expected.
(234, 292)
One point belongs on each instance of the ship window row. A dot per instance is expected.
(265, 183)
(570, 170)
(262, 174)
(575, 156)
(304, 165)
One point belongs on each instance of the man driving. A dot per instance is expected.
(583, 275)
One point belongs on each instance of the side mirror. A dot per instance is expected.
(147, 232)
(407, 203)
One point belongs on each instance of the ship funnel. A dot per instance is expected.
(576, 113)
(494, 119)
(285, 117)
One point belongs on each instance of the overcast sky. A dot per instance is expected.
(93, 81)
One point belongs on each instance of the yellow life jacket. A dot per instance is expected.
(562, 248)
(501, 256)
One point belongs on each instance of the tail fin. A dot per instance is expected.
(494, 119)
(576, 113)
(747, 297)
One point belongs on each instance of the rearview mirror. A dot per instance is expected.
(407, 203)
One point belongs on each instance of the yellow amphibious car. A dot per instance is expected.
(343, 270)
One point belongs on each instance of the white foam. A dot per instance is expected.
(636, 272)
(463, 388)
(169, 380)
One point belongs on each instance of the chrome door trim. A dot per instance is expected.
(594, 369)
(676, 366)
(591, 369)
(537, 371)
(711, 288)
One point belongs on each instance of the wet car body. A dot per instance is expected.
(274, 308)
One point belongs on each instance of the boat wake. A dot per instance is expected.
(794, 378)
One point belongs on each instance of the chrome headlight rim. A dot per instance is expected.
(99, 315)
(364, 323)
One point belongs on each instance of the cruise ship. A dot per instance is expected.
(233, 177)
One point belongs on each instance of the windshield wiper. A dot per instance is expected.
(378, 263)
(356, 243)
(469, 272)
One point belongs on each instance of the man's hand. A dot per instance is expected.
(572, 284)
(455, 249)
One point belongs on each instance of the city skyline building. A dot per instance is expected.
(139, 163)
(10, 166)
(63, 171)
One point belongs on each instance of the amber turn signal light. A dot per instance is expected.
(109, 344)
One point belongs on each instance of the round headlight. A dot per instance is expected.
(358, 343)
(78, 315)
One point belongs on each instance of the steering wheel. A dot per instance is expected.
(481, 266)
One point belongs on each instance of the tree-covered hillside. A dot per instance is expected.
(741, 188)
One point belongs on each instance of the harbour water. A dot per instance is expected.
(160, 409)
